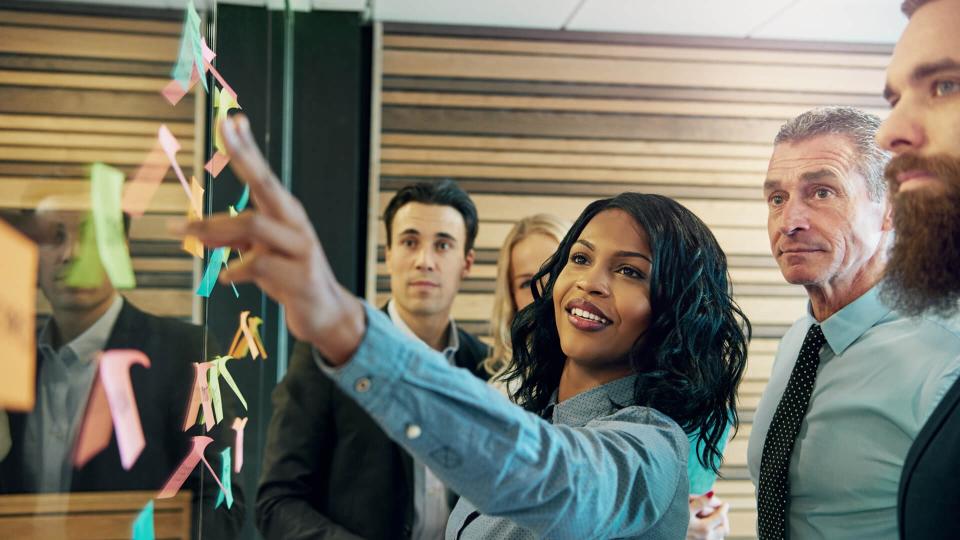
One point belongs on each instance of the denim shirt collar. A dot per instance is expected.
(597, 402)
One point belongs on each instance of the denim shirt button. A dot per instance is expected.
(413, 431)
(362, 384)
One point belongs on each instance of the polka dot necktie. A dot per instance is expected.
(773, 494)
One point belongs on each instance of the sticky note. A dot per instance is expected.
(210, 275)
(217, 162)
(115, 376)
(227, 492)
(96, 427)
(208, 56)
(170, 147)
(173, 92)
(244, 199)
(143, 526)
(190, 243)
(189, 463)
(86, 270)
(139, 191)
(18, 304)
(218, 369)
(200, 396)
(250, 342)
(106, 186)
(238, 425)
(191, 50)
(225, 100)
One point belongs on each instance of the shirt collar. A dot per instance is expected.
(92, 339)
(453, 340)
(847, 325)
(594, 403)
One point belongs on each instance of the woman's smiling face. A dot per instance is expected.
(602, 296)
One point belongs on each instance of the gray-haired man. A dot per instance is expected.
(853, 381)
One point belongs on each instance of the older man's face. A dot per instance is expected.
(823, 225)
(923, 131)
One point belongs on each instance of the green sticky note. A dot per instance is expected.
(85, 271)
(213, 388)
(143, 526)
(106, 191)
(227, 492)
(222, 368)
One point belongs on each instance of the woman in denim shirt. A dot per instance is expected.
(633, 341)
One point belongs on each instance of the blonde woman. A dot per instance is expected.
(527, 246)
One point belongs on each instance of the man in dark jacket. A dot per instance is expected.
(329, 471)
(923, 131)
(83, 322)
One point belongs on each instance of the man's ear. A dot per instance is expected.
(887, 223)
(468, 263)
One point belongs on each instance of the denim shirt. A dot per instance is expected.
(603, 469)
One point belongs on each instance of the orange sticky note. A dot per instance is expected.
(251, 342)
(189, 463)
(199, 397)
(139, 191)
(18, 301)
(170, 147)
(115, 376)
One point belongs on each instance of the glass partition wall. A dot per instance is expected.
(135, 392)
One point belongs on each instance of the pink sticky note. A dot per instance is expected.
(139, 191)
(96, 427)
(238, 425)
(208, 56)
(115, 376)
(173, 92)
(171, 147)
(189, 463)
(217, 163)
(199, 396)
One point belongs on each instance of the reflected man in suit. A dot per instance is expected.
(329, 471)
(83, 322)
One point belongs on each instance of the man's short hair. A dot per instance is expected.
(909, 7)
(859, 127)
(443, 193)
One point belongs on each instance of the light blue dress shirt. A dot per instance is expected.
(65, 379)
(880, 377)
(605, 469)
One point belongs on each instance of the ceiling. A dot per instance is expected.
(853, 21)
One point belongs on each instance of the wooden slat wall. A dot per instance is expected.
(75, 89)
(547, 122)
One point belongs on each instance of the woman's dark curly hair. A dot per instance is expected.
(692, 356)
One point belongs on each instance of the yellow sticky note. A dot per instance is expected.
(190, 243)
(18, 300)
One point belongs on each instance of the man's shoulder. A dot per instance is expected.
(472, 351)
(137, 327)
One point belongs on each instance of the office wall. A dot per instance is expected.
(534, 121)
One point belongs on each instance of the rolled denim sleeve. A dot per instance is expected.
(614, 477)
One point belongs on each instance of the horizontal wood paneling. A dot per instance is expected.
(534, 121)
(76, 89)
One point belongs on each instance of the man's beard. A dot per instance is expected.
(923, 274)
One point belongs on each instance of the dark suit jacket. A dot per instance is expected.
(329, 471)
(162, 393)
(928, 505)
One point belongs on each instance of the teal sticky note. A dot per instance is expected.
(209, 279)
(143, 526)
(191, 51)
(227, 492)
(106, 192)
(244, 199)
